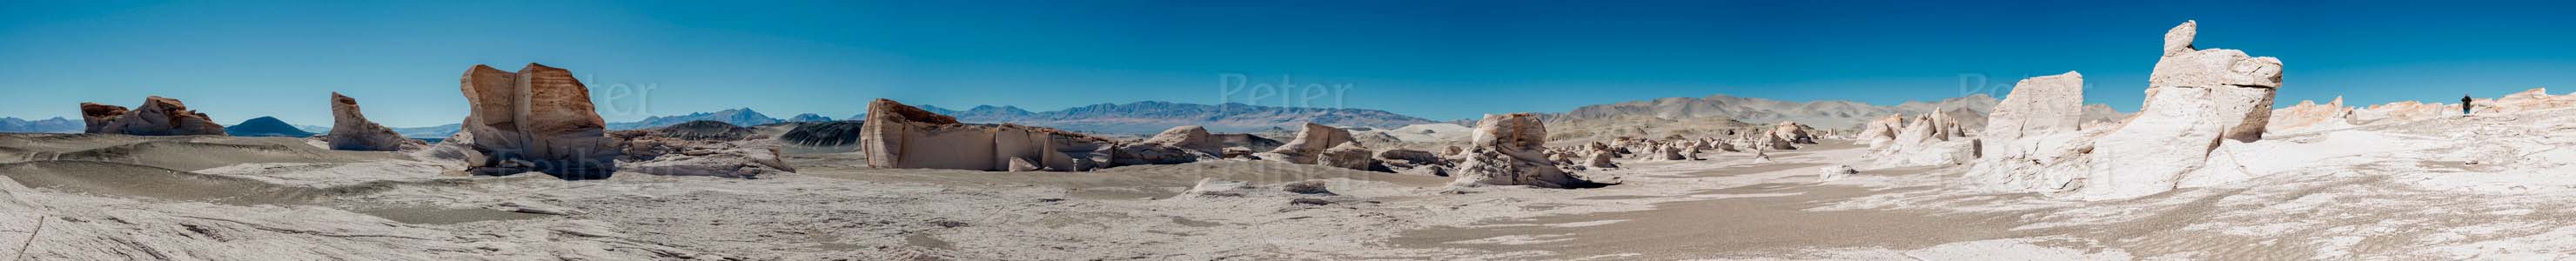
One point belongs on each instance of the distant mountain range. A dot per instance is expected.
(266, 127)
(1149, 117)
(1831, 114)
(54, 125)
(808, 117)
(737, 117)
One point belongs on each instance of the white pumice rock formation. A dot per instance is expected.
(2196, 99)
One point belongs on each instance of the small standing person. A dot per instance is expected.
(2464, 104)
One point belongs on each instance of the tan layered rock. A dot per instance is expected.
(350, 130)
(157, 117)
(901, 136)
(98, 115)
(1510, 150)
(538, 119)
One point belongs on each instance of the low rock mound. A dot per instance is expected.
(823, 134)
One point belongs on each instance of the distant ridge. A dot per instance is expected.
(54, 125)
(1149, 117)
(737, 117)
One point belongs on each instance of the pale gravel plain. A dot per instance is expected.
(2487, 187)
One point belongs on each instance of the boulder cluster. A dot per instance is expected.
(2197, 101)
(156, 117)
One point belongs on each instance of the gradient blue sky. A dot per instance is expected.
(1435, 59)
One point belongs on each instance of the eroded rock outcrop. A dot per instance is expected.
(901, 136)
(2030, 131)
(1878, 133)
(1925, 142)
(1510, 149)
(350, 130)
(538, 119)
(157, 117)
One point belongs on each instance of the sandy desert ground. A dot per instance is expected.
(2485, 187)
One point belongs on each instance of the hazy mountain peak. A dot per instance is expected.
(265, 126)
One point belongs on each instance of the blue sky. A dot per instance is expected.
(1435, 59)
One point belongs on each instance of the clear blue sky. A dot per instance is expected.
(1436, 59)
